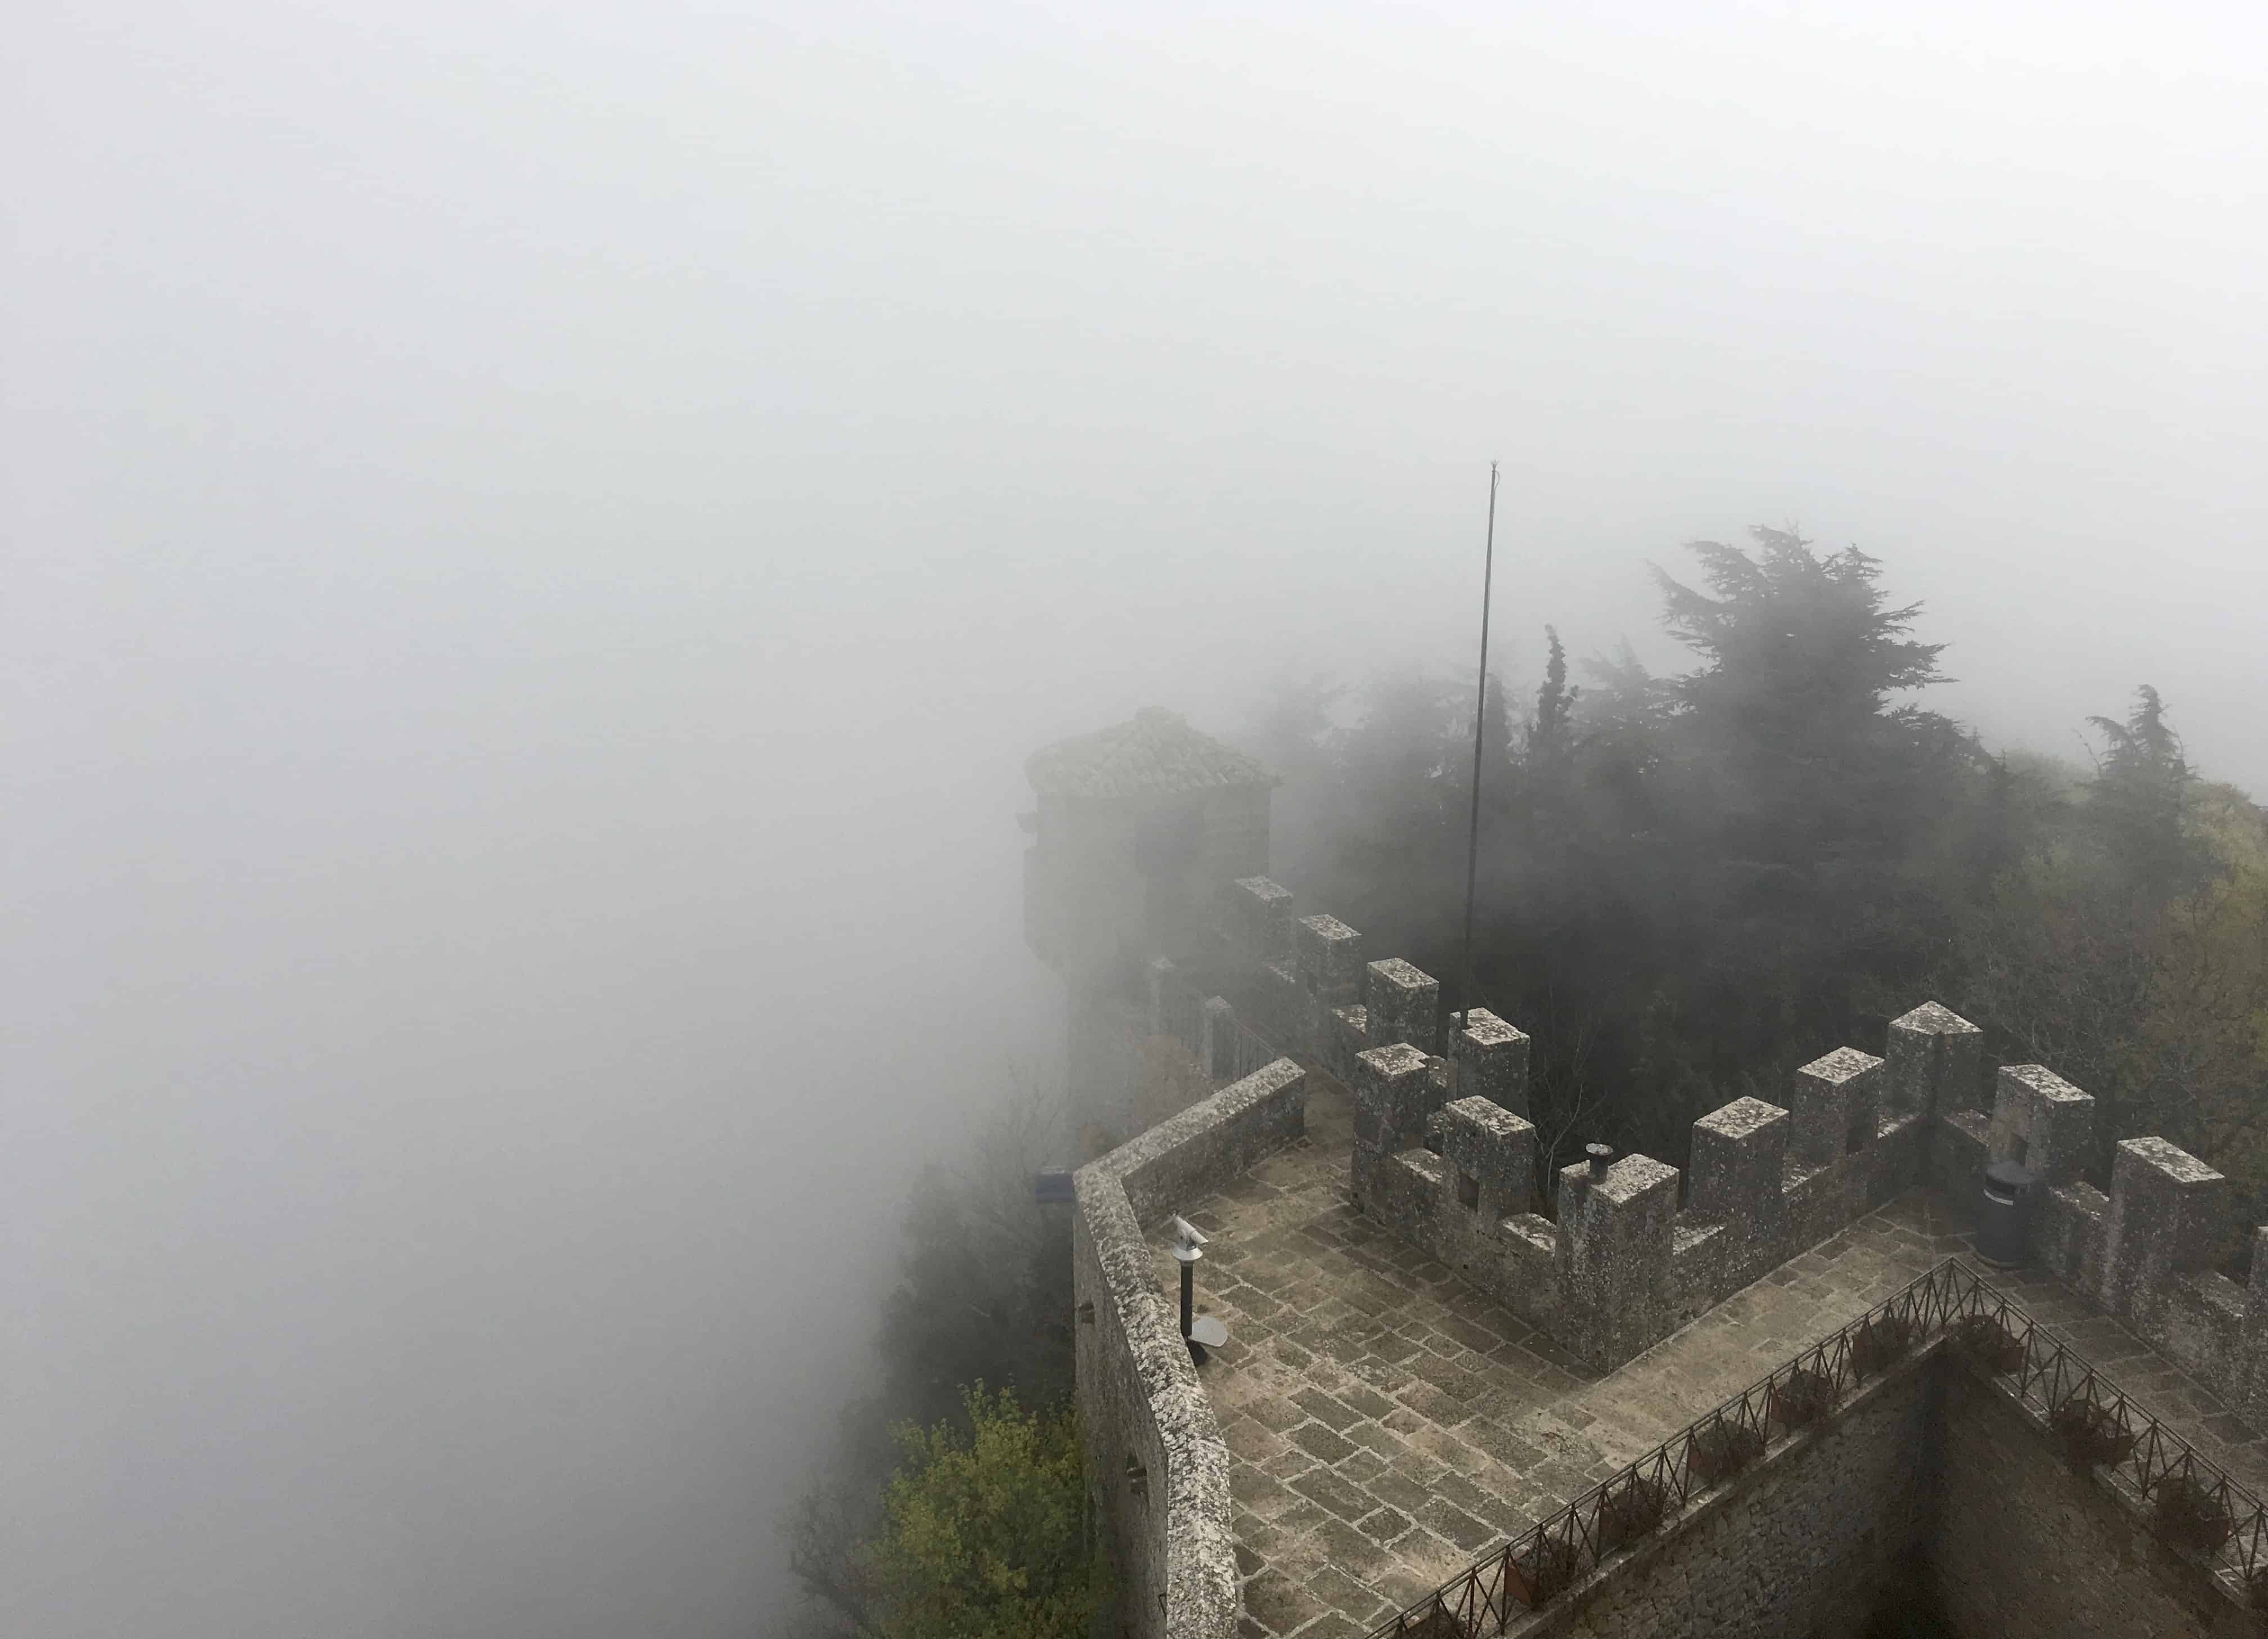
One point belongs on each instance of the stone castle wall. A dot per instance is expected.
(1931, 1489)
(1623, 1265)
(2027, 1548)
(1156, 1465)
(2144, 1251)
(1808, 1543)
(1445, 1156)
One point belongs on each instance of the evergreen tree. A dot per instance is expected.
(1551, 736)
(2137, 802)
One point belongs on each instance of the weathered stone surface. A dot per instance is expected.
(2042, 1122)
(1808, 1543)
(1157, 1463)
(1402, 1003)
(2028, 1548)
(1833, 1107)
(1750, 1209)
(1493, 1154)
(1329, 956)
(1393, 1096)
(1491, 1059)
(1259, 914)
(1619, 1296)
(1932, 1062)
(1738, 1153)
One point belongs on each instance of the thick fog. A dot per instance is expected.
(539, 539)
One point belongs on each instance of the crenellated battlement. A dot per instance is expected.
(2143, 1251)
(1445, 1157)
(1621, 1265)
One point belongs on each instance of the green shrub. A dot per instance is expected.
(1803, 1397)
(1723, 1449)
(1881, 1342)
(982, 1535)
(2190, 1517)
(2091, 1434)
(1627, 1510)
(1992, 1345)
(1549, 1569)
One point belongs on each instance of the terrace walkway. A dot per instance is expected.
(1388, 1423)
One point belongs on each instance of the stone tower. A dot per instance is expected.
(1139, 828)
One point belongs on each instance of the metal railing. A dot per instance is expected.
(1252, 1052)
(2138, 1452)
(1181, 1011)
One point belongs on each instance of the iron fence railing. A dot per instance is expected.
(2195, 1503)
(1181, 1015)
(1181, 1012)
(1252, 1051)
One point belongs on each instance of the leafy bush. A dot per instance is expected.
(1723, 1449)
(2188, 1516)
(2092, 1435)
(1880, 1342)
(1992, 1345)
(982, 1535)
(1549, 1569)
(1630, 1510)
(1803, 1397)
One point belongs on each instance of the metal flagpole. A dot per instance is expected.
(1480, 719)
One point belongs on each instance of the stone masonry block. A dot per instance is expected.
(2042, 1122)
(1739, 1152)
(1863, 1094)
(1492, 1147)
(1403, 1001)
(1621, 1232)
(1331, 958)
(1491, 1061)
(1933, 1056)
(1829, 1099)
(1391, 1098)
(2166, 1214)
(2252, 1353)
(1259, 916)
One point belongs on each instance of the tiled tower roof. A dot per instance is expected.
(1155, 752)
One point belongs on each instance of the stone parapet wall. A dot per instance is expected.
(1156, 1465)
(2026, 1548)
(1619, 1271)
(1621, 1267)
(1930, 1495)
(1810, 1542)
(2143, 1250)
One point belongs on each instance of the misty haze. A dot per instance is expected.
(560, 559)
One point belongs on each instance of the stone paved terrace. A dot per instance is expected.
(1388, 1423)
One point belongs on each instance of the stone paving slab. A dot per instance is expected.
(1388, 1422)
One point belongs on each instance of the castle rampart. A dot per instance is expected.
(1442, 1169)
(1615, 1270)
(1157, 1467)
(2142, 1252)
